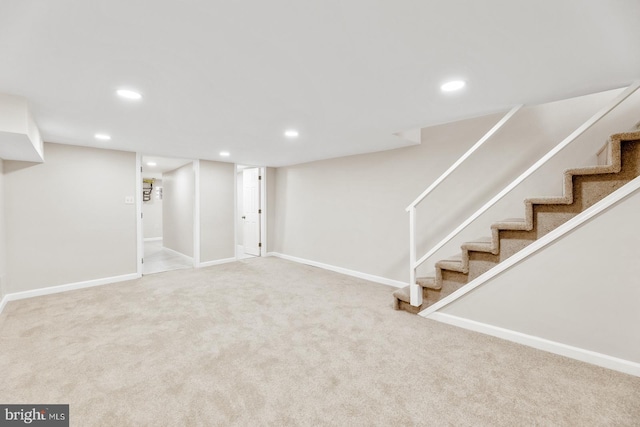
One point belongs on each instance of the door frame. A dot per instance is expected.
(262, 171)
(196, 214)
(139, 223)
(196, 241)
(139, 230)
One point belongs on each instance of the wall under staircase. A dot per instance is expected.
(582, 291)
(578, 296)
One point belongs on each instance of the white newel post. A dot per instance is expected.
(415, 290)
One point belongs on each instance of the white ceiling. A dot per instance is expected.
(348, 74)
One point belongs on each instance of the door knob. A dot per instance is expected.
(243, 217)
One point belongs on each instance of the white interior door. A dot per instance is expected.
(251, 211)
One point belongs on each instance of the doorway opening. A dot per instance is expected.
(168, 200)
(250, 211)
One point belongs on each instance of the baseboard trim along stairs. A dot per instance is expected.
(588, 192)
(581, 354)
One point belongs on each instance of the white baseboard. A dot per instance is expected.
(358, 274)
(177, 253)
(217, 262)
(152, 239)
(588, 356)
(65, 288)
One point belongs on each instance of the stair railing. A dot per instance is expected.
(415, 289)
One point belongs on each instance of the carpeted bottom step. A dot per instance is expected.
(405, 306)
(402, 298)
(401, 295)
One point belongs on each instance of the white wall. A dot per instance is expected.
(19, 136)
(271, 199)
(177, 209)
(583, 290)
(66, 219)
(349, 212)
(217, 180)
(152, 214)
(3, 251)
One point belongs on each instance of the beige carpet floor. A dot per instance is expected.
(268, 342)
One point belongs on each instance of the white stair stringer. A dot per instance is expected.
(537, 245)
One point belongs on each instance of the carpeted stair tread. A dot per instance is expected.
(451, 266)
(591, 170)
(481, 244)
(542, 214)
(428, 282)
(454, 257)
(560, 200)
(511, 224)
(452, 262)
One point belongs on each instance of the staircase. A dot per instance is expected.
(583, 187)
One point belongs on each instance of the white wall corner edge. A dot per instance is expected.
(577, 353)
(65, 288)
(346, 271)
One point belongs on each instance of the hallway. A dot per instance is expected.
(158, 258)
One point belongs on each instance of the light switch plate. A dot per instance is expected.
(129, 200)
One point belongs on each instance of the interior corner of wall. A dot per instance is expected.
(3, 285)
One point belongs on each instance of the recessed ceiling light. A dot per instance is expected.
(151, 163)
(225, 153)
(291, 133)
(128, 94)
(452, 86)
(102, 136)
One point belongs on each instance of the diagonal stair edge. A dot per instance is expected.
(539, 244)
(461, 262)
